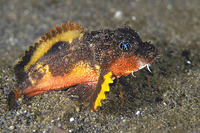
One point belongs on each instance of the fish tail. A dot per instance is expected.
(12, 97)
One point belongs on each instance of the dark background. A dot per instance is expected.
(166, 100)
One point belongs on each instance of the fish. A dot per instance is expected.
(84, 62)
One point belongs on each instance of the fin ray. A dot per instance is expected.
(82, 92)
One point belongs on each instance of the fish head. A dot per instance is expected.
(131, 53)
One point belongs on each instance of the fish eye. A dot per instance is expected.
(125, 46)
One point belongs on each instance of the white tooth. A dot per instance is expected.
(148, 65)
(133, 74)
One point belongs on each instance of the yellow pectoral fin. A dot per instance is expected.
(104, 88)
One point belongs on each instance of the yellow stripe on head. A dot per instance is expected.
(104, 88)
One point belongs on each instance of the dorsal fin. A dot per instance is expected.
(35, 52)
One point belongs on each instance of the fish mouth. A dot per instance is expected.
(145, 63)
(141, 67)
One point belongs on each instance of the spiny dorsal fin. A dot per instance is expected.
(35, 52)
(65, 28)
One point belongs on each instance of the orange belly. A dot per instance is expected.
(79, 75)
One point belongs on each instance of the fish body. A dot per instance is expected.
(85, 62)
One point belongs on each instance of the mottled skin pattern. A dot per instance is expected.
(84, 62)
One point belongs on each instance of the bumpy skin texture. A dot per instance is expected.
(87, 60)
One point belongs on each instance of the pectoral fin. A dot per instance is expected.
(81, 92)
(100, 89)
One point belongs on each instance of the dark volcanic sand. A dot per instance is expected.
(169, 102)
